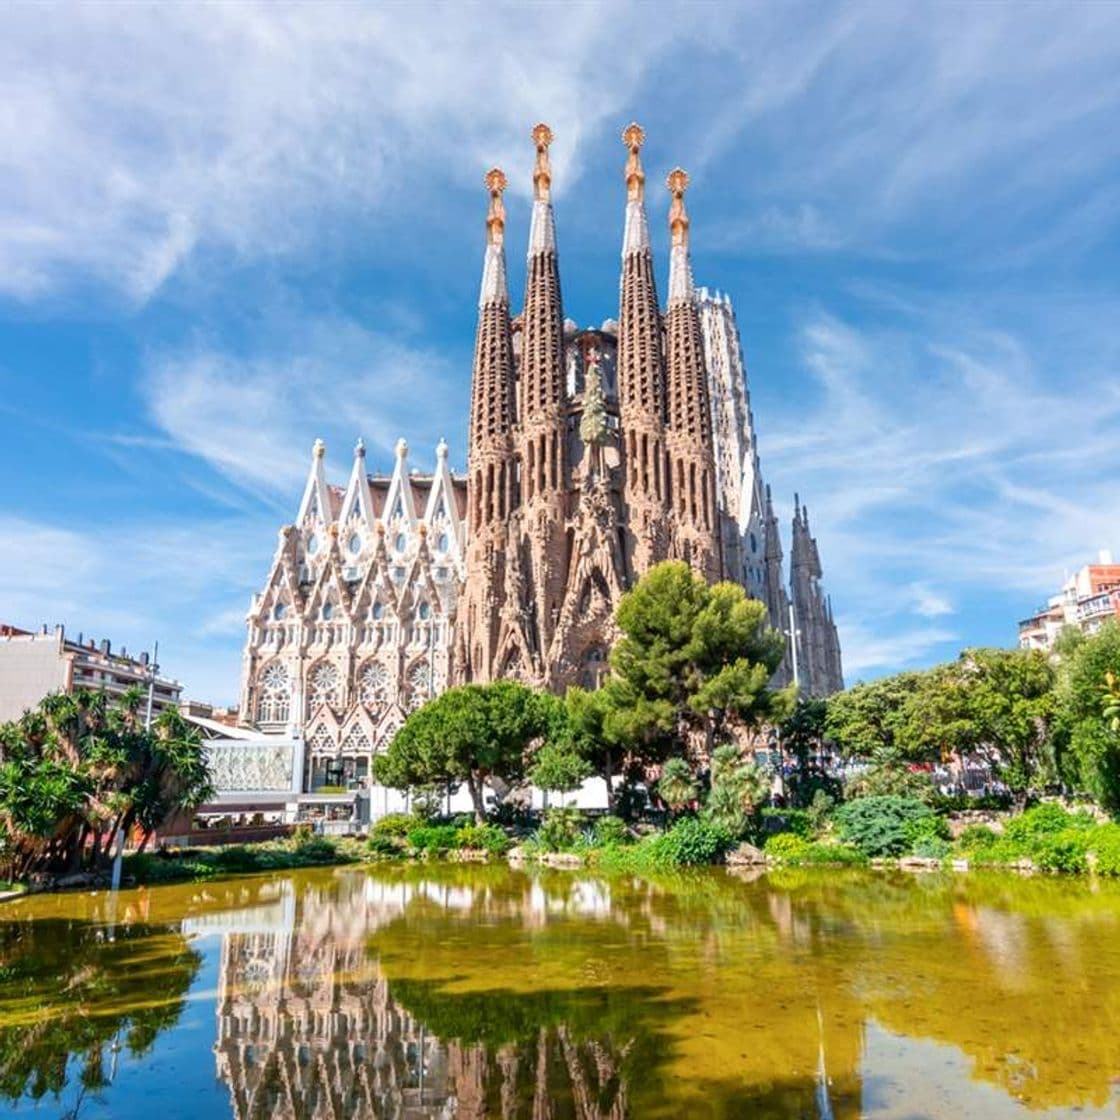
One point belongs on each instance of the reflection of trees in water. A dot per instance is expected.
(74, 997)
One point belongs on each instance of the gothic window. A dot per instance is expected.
(419, 684)
(312, 545)
(373, 685)
(355, 544)
(424, 610)
(442, 543)
(441, 509)
(322, 687)
(377, 611)
(279, 611)
(321, 741)
(327, 611)
(274, 695)
(356, 741)
(401, 542)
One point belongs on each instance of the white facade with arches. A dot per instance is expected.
(353, 627)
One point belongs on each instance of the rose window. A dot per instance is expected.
(323, 686)
(373, 686)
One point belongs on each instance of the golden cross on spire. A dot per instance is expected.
(496, 218)
(633, 136)
(542, 173)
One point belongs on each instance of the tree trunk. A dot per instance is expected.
(474, 787)
(608, 779)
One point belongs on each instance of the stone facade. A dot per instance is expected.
(353, 628)
(592, 454)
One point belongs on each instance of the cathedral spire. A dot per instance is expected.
(641, 371)
(635, 238)
(680, 267)
(689, 436)
(542, 339)
(316, 503)
(494, 288)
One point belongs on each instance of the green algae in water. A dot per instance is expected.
(476, 991)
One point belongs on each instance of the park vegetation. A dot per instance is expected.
(687, 709)
(81, 772)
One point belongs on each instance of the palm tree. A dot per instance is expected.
(739, 787)
(676, 786)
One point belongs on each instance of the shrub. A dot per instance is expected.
(1043, 819)
(317, 850)
(932, 827)
(976, 838)
(930, 847)
(1062, 851)
(878, 825)
(383, 847)
(786, 846)
(395, 825)
(433, 838)
(691, 842)
(891, 780)
(482, 837)
(1105, 846)
(235, 859)
(611, 832)
(795, 821)
(561, 829)
(820, 811)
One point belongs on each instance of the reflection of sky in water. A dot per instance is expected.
(460, 991)
(907, 1079)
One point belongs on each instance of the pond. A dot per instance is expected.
(475, 991)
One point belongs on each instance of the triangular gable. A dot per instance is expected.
(315, 506)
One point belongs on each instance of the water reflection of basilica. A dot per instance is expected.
(308, 1028)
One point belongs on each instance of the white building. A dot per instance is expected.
(35, 664)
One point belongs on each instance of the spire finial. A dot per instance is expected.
(633, 136)
(318, 449)
(441, 448)
(542, 173)
(496, 219)
(402, 448)
(360, 448)
(677, 182)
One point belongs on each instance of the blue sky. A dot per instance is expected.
(227, 230)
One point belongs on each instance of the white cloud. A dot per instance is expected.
(254, 418)
(870, 651)
(133, 138)
(185, 585)
(940, 465)
(928, 603)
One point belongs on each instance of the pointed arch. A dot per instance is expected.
(324, 687)
(274, 693)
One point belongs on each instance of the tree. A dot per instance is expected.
(1003, 710)
(739, 788)
(875, 720)
(1089, 713)
(693, 660)
(476, 734)
(676, 786)
(559, 763)
(803, 734)
(79, 771)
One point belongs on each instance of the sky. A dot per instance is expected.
(228, 229)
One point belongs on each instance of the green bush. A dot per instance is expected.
(383, 847)
(483, 837)
(820, 811)
(919, 830)
(1062, 851)
(395, 826)
(319, 849)
(930, 847)
(691, 842)
(433, 838)
(796, 851)
(878, 826)
(976, 838)
(1044, 819)
(610, 832)
(786, 846)
(795, 821)
(561, 829)
(235, 859)
(1104, 843)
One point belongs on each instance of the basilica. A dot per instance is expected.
(593, 453)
